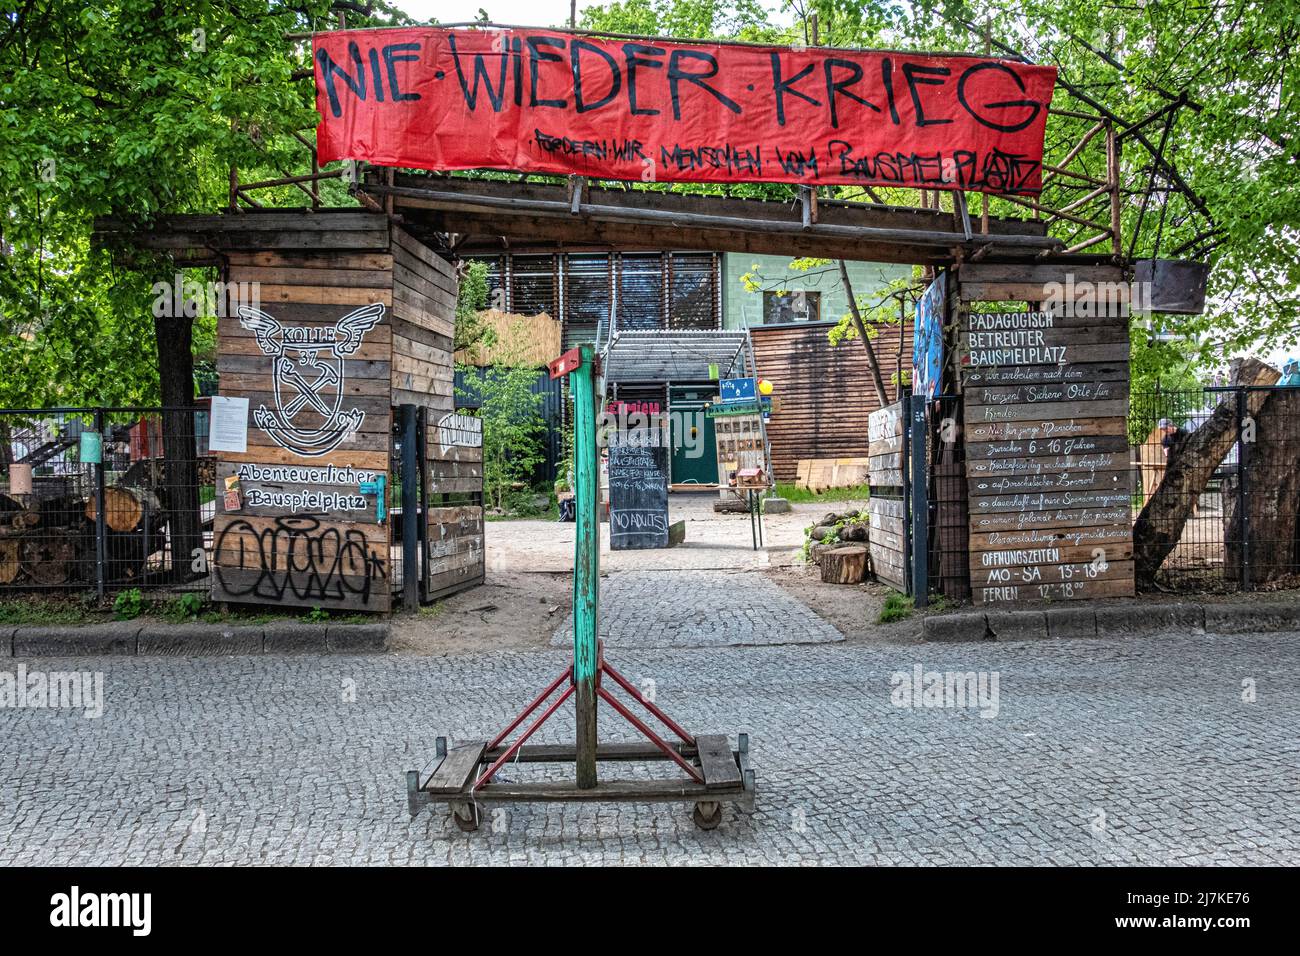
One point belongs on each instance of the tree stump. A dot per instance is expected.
(125, 508)
(1273, 498)
(846, 565)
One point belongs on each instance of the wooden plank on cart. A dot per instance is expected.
(717, 762)
(457, 769)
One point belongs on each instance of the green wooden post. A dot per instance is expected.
(586, 562)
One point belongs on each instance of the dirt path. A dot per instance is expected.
(510, 611)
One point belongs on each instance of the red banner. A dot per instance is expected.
(553, 102)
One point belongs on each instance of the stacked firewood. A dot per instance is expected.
(52, 541)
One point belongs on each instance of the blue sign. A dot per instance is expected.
(738, 389)
(927, 340)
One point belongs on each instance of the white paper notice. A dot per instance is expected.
(229, 424)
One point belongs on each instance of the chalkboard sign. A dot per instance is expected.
(638, 491)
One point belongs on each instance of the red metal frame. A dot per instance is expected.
(530, 708)
(487, 774)
(601, 668)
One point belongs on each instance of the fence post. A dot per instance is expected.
(905, 459)
(920, 441)
(410, 512)
(421, 469)
(1243, 491)
(101, 524)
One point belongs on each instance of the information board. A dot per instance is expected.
(1047, 455)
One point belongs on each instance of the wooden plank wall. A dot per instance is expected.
(455, 496)
(1045, 393)
(888, 533)
(424, 319)
(823, 393)
(304, 534)
(424, 294)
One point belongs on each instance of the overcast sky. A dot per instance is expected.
(531, 13)
(528, 13)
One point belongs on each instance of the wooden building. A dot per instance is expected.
(823, 392)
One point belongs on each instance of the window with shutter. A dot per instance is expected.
(533, 285)
(587, 284)
(640, 290)
(692, 290)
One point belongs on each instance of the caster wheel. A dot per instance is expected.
(707, 816)
(467, 823)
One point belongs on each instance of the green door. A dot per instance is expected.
(695, 451)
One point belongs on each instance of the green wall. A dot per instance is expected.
(740, 307)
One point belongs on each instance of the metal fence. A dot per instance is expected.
(1224, 463)
(105, 499)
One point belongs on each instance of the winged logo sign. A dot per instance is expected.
(309, 372)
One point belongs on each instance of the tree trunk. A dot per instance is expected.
(1190, 466)
(1272, 495)
(881, 395)
(847, 565)
(180, 471)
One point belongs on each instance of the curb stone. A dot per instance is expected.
(199, 640)
(294, 639)
(125, 638)
(1104, 622)
(1016, 625)
(116, 639)
(356, 638)
(1063, 622)
(949, 628)
(1264, 616)
(1151, 618)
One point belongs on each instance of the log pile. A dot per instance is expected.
(51, 542)
(834, 531)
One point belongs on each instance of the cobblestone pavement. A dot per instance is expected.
(699, 609)
(1141, 751)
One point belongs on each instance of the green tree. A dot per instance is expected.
(130, 108)
(513, 428)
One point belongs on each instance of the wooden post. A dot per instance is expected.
(101, 517)
(586, 562)
(410, 510)
(1112, 180)
(920, 439)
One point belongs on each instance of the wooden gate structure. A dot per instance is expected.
(335, 322)
(1012, 381)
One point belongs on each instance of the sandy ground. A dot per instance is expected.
(852, 609)
(713, 541)
(527, 591)
(510, 611)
